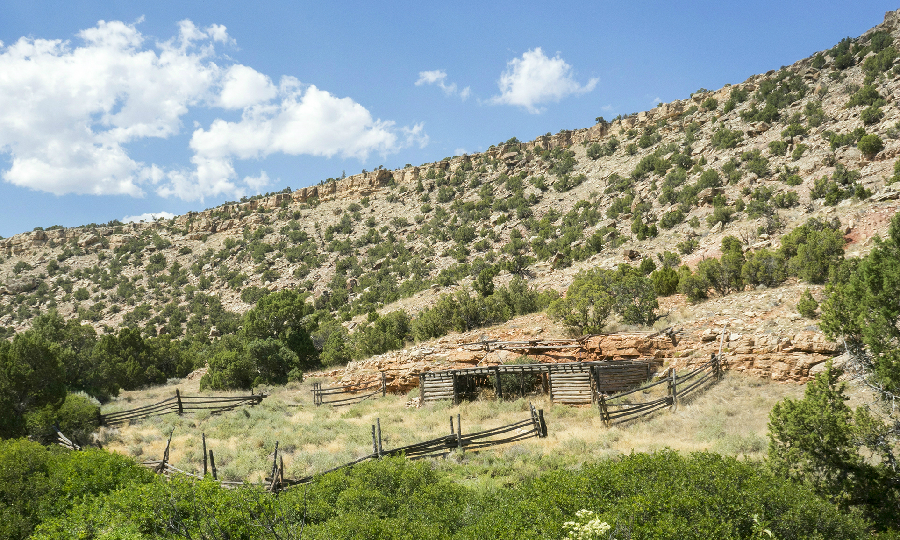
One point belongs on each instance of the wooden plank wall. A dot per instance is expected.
(573, 388)
(436, 386)
(614, 377)
(570, 382)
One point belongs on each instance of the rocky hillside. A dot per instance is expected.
(752, 160)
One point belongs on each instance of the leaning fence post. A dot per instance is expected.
(451, 425)
(543, 424)
(178, 397)
(212, 464)
(374, 442)
(274, 466)
(162, 464)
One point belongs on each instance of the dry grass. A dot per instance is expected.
(730, 417)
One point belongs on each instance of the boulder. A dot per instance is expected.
(88, 240)
(22, 284)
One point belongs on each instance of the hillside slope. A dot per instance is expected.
(752, 160)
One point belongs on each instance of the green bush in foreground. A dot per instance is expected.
(39, 483)
(659, 495)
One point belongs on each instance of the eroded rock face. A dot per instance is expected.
(785, 358)
(88, 240)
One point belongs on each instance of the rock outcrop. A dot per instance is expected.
(783, 358)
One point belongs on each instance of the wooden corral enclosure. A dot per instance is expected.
(575, 383)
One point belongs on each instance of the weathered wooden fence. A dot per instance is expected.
(64, 441)
(623, 407)
(180, 404)
(534, 426)
(165, 468)
(569, 382)
(338, 395)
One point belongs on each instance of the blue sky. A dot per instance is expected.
(116, 109)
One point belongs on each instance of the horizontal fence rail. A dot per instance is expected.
(532, 427)
(64, 441)
(535, 426)
(614, 410)
(180, 404)
(339, 396)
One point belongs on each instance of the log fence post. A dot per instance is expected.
(378, 420)
(204, 454)
(178, 397)
(383, 385)
(459, 443)
(274, 467)
(550, 382)
(673, 389)
(374, 442)
(604, 411)
(455, 389)
(162, 464)
(212, 465)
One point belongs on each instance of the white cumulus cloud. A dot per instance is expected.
(148, 217)
(535, 79)
(438, 78)
(69, 111)
(65, 113)
(303, 120)
(244, 86)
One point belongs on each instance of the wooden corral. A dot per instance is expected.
(571, 382)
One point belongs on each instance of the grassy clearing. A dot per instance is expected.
(730, 417)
